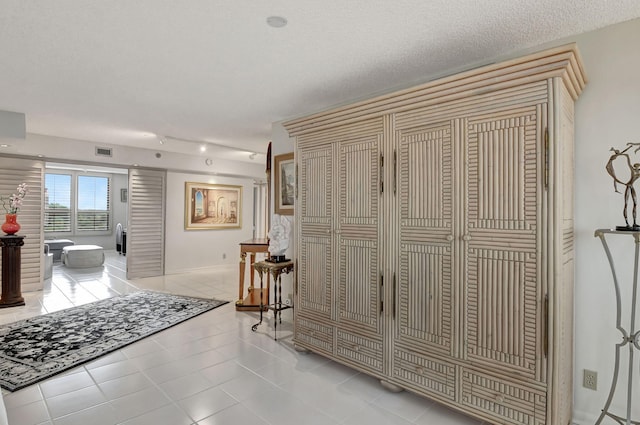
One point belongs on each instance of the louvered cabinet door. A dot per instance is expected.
(14, 171)
(313, 308)
(425, 319)
(504, 291)
(359, 337)
(145, 233)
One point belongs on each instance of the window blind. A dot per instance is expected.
(93, 201)
(57, 203)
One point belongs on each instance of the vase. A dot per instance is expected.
(10, 226)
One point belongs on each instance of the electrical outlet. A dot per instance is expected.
(289, 300)
(590, 379)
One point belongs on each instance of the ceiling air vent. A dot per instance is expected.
(103, 151)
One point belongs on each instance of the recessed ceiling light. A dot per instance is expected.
(276, 21)
(203, 148)
(4, 145)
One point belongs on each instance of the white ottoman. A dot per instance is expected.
(56, 245)
(81, 256)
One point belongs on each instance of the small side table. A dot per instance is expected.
(11, 265)
(276, 270)
(630, 337)
(253, 299)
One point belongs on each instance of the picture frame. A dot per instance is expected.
(284, 184)
(212, 206)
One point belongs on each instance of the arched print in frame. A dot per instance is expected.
(284, 184)
(212, 206)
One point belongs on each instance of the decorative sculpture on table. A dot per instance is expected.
(622, 161)
(279, 238)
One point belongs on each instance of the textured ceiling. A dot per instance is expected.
(130, 71)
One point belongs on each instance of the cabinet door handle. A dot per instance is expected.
(466, 238)
(381, 173)
(449, 238)
(545, 158)
(545, 327)
(394, 296)
(395, 171)
(381, 293)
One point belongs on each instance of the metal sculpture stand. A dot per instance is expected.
(630, 338)
(276, 270)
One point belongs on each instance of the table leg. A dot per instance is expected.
(243, 260)
(251, 270)
(255, 327)
(280, 300)
(276, 308)
(268, 287)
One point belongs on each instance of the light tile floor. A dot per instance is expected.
(209, 370)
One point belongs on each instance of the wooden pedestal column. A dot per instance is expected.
(11, 263)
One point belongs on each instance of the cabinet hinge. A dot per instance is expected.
(381, 293)
(381, 173)
(546, 158)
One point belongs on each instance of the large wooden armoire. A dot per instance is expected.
(434, 235)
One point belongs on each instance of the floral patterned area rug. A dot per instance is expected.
(40, 347)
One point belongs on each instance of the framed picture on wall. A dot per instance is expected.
(284, 184)
(212, 206)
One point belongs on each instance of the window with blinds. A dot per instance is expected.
(57, 203)
(77, 203)
(93, 210)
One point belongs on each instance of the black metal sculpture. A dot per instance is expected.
(629, 192)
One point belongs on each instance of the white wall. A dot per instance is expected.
(184, 250)
(607, 114)
(120, 209)
(281, 143)
(197, 249)
(58, 149)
